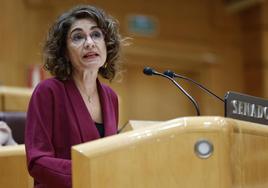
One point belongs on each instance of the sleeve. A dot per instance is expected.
(43, 166)
(115, 102)
(116, 110)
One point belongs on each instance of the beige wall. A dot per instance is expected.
(199, 39)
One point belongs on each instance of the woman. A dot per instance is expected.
(73, 107)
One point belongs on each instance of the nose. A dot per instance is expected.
(89, 43)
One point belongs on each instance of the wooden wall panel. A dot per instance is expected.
(252, 51)
(22, 33)
(264, 22)
(199, 39)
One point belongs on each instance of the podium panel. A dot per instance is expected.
(13, 173)
(14, 98)
(165, 155)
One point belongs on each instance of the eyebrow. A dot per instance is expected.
(80, 29)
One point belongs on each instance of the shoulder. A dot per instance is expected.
(109, 90)
(50, 83)
(49, 86)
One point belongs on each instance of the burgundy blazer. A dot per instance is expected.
(57, 119)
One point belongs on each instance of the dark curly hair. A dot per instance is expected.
(55, 60)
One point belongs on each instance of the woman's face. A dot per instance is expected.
(86, 48)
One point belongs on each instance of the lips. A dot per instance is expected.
(90, 55)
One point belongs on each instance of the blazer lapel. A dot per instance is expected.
(108, 113)
(85, 123)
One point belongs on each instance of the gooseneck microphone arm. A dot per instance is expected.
(149, 71)
(171, 74)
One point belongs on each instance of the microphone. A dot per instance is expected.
(171, 74)
(149, 71)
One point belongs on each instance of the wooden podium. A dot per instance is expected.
(232, 154)
(13, 170)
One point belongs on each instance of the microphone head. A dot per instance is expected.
(148, 71)
(169, 73)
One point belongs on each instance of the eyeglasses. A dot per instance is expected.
(79, 38)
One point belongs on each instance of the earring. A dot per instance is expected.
(105, 65)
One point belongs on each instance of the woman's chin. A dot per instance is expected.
(92, 65)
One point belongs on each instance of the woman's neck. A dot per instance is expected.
(86, 82)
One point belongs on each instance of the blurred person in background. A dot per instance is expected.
(6, 138)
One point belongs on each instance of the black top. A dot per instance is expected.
(100, 128)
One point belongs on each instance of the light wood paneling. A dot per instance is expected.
(199, 39)
(13, 173)
(264, 15)
(22, 32)
(14, 98)
(163, 156)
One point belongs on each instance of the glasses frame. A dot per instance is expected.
(87, 36)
